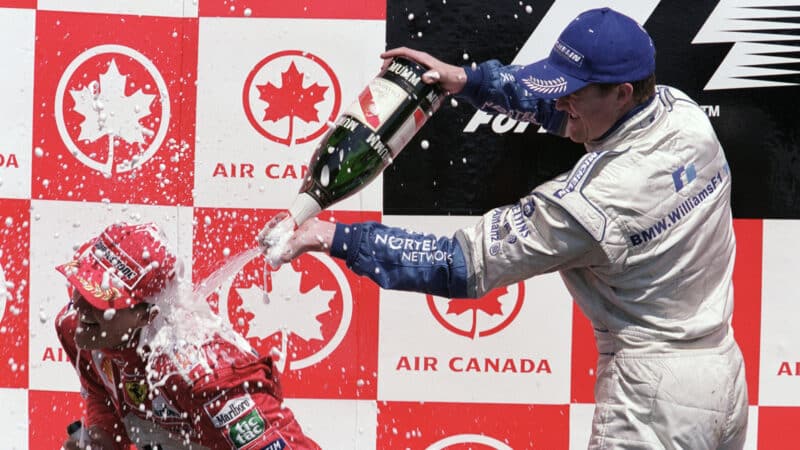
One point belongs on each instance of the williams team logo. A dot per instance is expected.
(112, 108)
(477, 318)
(291, 96)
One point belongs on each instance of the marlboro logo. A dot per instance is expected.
(228, 412)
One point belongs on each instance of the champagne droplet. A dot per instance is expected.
(325, 176)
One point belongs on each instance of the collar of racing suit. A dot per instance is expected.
(634, 111)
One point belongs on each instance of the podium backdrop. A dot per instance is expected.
(192, 114)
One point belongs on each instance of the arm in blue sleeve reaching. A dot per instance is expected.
(493, 87)
(403, 260)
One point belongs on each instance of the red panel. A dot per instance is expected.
(418, 425)
(584, 358)
(323, 317)
(50, 413)
(114, 99)
(14, 257)
(301, 9)
(747, 297)
(777, 427)
(18, 4)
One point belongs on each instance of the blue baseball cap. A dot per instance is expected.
(599, 46)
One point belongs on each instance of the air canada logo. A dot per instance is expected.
(477, 318)
(290, 97)
(112, 108)
(287, 312)
(469, 441)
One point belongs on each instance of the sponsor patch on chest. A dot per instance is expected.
(223, 411)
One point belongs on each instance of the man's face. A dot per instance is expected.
(591, 111)
(98, 329)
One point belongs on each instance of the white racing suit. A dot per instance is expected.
(641, 232)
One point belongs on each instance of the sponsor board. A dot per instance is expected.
(16, 90)
(314, 317)
(779, 383)
(62, 227)
(14, 289)
(49, 414)
(168, 8)
(107, 107)
(494, 347)
(262, 114)
(439, 426)
(314, 416)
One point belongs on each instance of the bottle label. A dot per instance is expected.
(407, 131)
(377, 103)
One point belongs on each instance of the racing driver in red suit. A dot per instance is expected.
(221, 396)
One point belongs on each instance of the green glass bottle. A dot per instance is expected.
(367, 136)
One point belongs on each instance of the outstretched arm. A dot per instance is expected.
(489, 86)
(392, 257)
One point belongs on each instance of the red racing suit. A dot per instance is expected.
(236, 405)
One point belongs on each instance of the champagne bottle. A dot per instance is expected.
(367, 137)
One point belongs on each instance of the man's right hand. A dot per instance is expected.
(96, 439)
(313, 235)
(451, 78)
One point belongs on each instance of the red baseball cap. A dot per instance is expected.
(124, 266)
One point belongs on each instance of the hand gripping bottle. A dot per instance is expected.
(367, 137)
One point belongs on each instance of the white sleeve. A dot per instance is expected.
(531, 237)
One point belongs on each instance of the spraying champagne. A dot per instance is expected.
(363, 142)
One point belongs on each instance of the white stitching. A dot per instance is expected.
(546, 86)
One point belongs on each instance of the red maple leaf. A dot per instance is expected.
(291, 99)
(488, 304)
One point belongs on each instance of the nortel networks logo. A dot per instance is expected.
(287, 312)
(290, 96)
(112, 108)
(469, 441)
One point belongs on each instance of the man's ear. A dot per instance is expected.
(152, 313)
(149, 314)
(625, 93)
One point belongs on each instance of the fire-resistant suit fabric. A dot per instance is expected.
(237, 404)
(641, 232)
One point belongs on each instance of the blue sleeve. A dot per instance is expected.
(403, 260)
(494, 87)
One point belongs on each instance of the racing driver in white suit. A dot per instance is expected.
(640, 230)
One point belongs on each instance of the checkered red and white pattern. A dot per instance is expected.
(186, 113)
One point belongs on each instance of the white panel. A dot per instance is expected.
(56, 229)
(580, 425)
(752, 429)
(16, 110)
(169, 8)
(14, 417)
(533, 347)
(350, 424)
(779, 373)
(226, 137)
